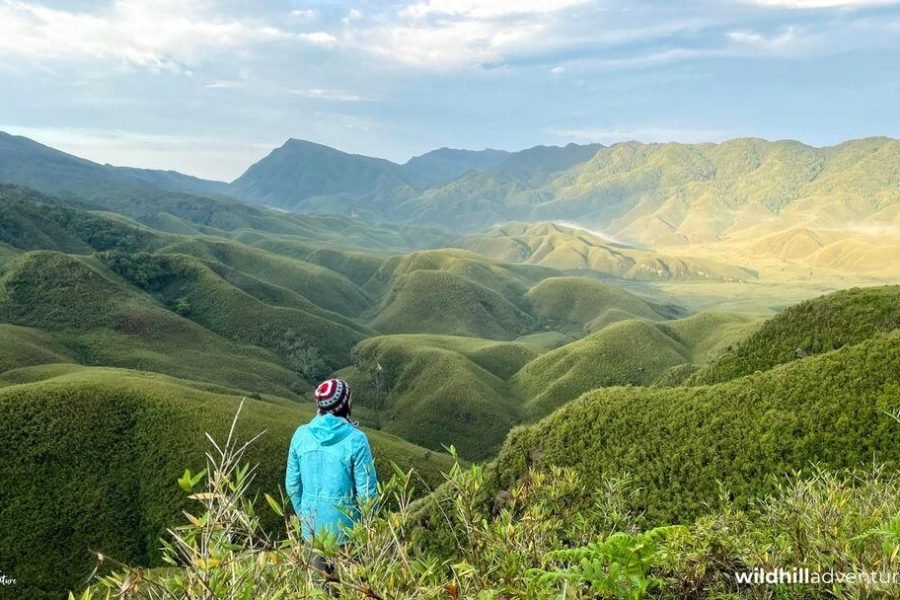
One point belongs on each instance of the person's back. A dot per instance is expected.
(330, 467)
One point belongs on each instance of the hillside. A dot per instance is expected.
(629, 352)
(573, 249)
(105, 447)
(812, 327)
(676, 444)
(579, 306)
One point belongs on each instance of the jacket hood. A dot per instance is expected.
(329, 429)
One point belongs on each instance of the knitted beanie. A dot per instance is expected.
(332, 394)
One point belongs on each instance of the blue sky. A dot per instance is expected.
(209, 86)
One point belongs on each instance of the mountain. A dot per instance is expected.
(781, 205)
(28, 163)
(446, 164)
(293, 176)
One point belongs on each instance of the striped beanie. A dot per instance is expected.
(332, 394)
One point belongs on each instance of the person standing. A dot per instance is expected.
(330, 469)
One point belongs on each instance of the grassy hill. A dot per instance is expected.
(573, 249)
(320, 286)
(676, 444)
(98, 319)
(629, 352)
(578, 305)
(811, 327)
(91, 459)
(197, 292)
(440, 390)
(453, 292)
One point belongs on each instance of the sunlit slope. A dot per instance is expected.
(102, 449)
(572, 249)
(811, 327)
(677, 444)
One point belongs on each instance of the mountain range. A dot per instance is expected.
(757, 205)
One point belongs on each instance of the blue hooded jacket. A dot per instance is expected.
(329, 470)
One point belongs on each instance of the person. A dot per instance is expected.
(330, 469)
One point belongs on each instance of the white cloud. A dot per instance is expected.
(557, 70)
(790, 36)
(319, 38)
(487, 9)
(154, 34)
(642, 134)
(353, 15)
(449, 45)
(224, 85)
(809, 4)
(325, 94)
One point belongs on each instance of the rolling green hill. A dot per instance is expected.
(676, 444)
(99, 320)
(437, 391)
(811, 327)
(91, 459)
(579, 306)
(629, 352)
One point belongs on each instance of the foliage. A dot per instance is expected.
(679, 442)
(91, 457)
(531, 547)
(811, 327)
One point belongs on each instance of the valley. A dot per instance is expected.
(638, 303)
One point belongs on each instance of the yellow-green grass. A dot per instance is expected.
(677, 445)
(810, 327)
(25, 346)
(91, 458)
(322, 287)
(432, 301)
(86, 309)
(579, 305)
(571, 249)
(437, 391)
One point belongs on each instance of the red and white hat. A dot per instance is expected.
(332, 394)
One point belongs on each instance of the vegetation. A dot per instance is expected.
(541, 543)
(665, 479)
(808, 328)
(678, 444)
(91, 457)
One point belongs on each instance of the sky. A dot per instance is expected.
(208, 87)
